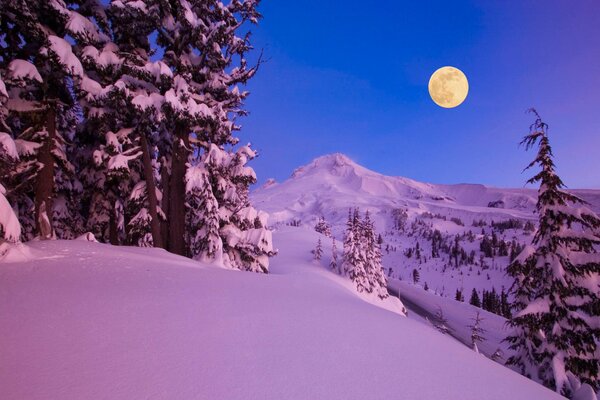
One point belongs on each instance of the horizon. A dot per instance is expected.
(361, 89)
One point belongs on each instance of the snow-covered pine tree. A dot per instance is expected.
(477, 332)
(375, 275)
(127, 96)
(354, 252)
(557, 317)
(203, 222)
(333, 265)
(41, 73)
(207, 57)
(318, 251)
(323, 227)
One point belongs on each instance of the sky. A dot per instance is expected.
(351, 77)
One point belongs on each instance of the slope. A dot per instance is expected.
(86, 320)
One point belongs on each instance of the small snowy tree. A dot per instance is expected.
(557, 318)
(323, 227)
(477, 332)
(354, 257)
(333, 265)
(318, 251)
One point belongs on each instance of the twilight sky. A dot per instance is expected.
(351, 76)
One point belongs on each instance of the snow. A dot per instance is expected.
(21, 69)
(7, 145)
(10, 228)
(80, 25)
(64, 52)
(93, 321)
(91, 86)
(3, 91)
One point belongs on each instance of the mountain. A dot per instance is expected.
(459, 237)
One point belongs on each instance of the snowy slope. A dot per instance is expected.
(91, 321)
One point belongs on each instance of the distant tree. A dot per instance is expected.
(318, 251)
(556, 320)
(474, 300)
(416, 275)
(333, 265)
(459, 295)
(477, 332)
(323, 227)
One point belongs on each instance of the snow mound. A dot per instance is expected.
(93, 321)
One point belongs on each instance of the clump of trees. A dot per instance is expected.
(120, 118)
(362, 255)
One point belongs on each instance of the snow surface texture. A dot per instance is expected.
(91, 321)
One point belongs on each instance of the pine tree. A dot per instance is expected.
(373, 268)
(556, 309)
(333, 265)
(459, 295)
(416, 276)
(354, 254)
(477, 332)
(318, 251)
(323, 227)
(474, 300)
(42, 73)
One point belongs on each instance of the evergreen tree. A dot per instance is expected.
(474, 300)
(333, 265)
(323, 227)
(477, 332)
(556, 316)
(354, 255)
(318, 251)
(41, 73)
(416, 276)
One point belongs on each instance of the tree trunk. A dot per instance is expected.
(151, 192)
(164, 179)
(113, 230)
(44, 188)
(177, 193)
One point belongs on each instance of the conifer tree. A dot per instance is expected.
(556, 309)
(318, 251)
(474, 300)
(323, 227)
(333, 265)
(41, 72)
(477, 332)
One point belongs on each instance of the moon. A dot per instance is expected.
(448, 87)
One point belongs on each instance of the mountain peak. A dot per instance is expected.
(335, 162)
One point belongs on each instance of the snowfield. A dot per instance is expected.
(84, 320)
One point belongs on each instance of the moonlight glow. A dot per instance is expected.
(448, 87)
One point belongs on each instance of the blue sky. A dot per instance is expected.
(351, 77)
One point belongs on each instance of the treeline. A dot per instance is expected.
(119, 118)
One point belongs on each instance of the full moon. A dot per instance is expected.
(448, 87)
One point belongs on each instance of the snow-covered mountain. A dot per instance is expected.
(334, 182)
(416, 220)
